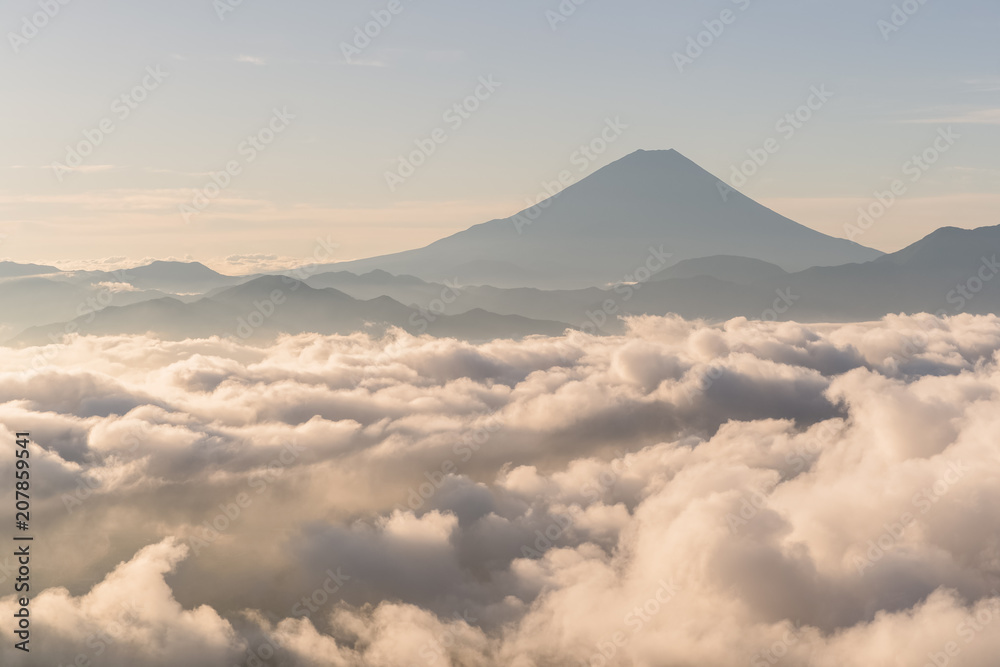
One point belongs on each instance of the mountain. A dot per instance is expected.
(928, 276)
(405, 289)
(34, 300)
(266, 307)
(724, 267)
(948, 272)
(945, 247)
(178, 277)
(13, 270)
(607, 226)
(567, 306)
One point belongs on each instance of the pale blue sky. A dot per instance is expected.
(324, 175)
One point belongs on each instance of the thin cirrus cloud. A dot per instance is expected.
(987, 116)
(825, 494)
(251, 60)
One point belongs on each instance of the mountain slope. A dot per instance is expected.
(42, 299)
(179, 277)
(14, 270)
(724, 267)
(603, 228)
(272, 305)
(948, 272)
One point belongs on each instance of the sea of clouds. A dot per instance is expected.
(683, 495)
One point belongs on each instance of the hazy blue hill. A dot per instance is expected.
(42, 299)
(179, 277)
(266, 307)
(923, 277)
(947, 246)
(479, 324)
(724, 267)
(405, 289)
(14, 270)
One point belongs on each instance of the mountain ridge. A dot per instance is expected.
(269, 306)
(597, 229)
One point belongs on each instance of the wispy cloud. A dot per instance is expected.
(961, 117)
(87, 168)
(987, 85)
(252, 60)
(81, 168)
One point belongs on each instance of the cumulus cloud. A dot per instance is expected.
(684, 494)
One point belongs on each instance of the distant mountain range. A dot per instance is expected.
(179, 277)
(12, 270)
(599, 230)
(950, 271)
(728, 257)
(263, 308)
